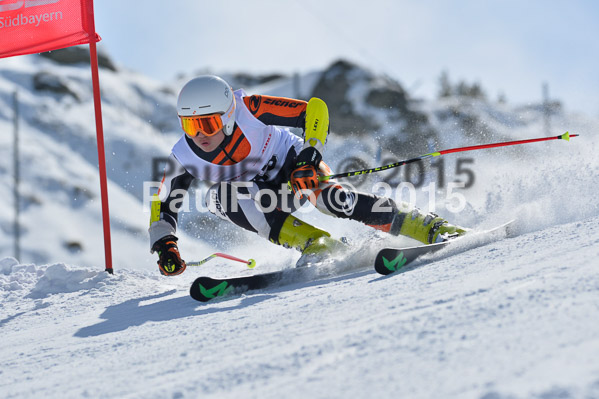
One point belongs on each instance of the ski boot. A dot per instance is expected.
(315, 245)
(428, 229)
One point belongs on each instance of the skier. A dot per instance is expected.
(243, 144)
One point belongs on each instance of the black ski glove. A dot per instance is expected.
(169, 262)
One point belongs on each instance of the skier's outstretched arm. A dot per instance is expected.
(163, 221)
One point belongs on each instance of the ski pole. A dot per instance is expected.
(566, 136)
(250, 262)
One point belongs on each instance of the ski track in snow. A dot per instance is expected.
(512, 319)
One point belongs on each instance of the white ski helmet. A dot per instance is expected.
(207, 95)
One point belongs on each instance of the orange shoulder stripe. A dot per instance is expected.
(277, 110)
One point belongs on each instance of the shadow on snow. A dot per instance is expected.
(130, 313)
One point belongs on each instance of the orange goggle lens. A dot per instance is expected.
(208, 125)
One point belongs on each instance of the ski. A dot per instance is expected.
(204, 288)
(390, 260)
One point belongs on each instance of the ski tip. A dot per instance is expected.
(204, 289)
(195, 293)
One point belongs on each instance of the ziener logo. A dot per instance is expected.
(15, 5)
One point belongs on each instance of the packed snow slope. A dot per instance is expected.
(512, 319)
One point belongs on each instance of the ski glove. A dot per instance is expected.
(305, 175)
(169, 262)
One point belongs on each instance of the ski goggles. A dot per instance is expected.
(208, 125)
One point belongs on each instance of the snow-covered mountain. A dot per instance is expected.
(512, 319)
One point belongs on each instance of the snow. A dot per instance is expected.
(515, 318)
(512, 319)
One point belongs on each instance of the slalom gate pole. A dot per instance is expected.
(566, 136)
(250, 262)
(93, 58)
